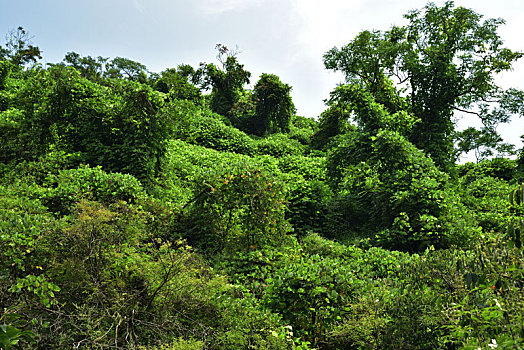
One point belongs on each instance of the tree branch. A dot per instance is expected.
(466, 111)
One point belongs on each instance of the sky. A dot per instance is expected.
(283, 37)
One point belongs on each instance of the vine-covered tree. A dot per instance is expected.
(274, 106)
(180, 83)
(446, 59)
(332, 122)
(226, 83)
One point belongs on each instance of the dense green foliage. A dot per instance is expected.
(274, 107)
(226, 83)
(142, 211)
(448, 57)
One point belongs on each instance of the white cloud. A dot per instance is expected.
(324, 23)
(217, 7)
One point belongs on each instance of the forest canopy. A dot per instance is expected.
(187, 210)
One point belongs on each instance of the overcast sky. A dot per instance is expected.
(282, 37)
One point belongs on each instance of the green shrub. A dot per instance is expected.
(121, 126)
(23, 222)
(211, 132)
(121, 287)
(242, 114)
(499, 168)
(177, 84)
(274, 107)
(314, 244)
(398, 306)
(302, 129)
(520, 167)
(186, 164)
(237, 207)
(278, 145)
(516, 224)
(332, 122)
(311, 294)
(349, 149)
(179, 344)
(400, 194)
(483, 304)
(35, 172)
(247, 324)
(487, 198)
(69, 186)
(306, 206)
(310, 168)
(5, 69)
(11, 148)
(300, 122)
(301, 135)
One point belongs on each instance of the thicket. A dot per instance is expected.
(181, 210)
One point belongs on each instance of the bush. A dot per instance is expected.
(302, 129)
(319, 287)
(310, 168)
(11, 148)
(278, 145)
(332, 122)
(306, 206)
(520, 167)
(186, 164)
(499, 168)
(179, 344)
(210, 131)
(348, 150)
(487, 198)
(402, 195)
(311, 294)
(481, 297)
(121, 126)
(119, 285)
(301, 135)
(23, 223)
(314, 244)
(238, 207)
(36, 172)
(69, 186)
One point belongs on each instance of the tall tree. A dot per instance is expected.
(445, 59)
(120, 67)
(89, 67)
(274, 106)
(227, 83)
(483, 142)
(19, 49)
(180, 83)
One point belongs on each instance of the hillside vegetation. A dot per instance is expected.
(181, 210)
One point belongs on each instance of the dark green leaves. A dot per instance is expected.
(446, 57)
(274, 106)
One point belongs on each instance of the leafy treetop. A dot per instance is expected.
(445, 59)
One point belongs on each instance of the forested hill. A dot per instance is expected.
(182, 210)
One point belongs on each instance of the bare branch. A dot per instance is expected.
(466, 111)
